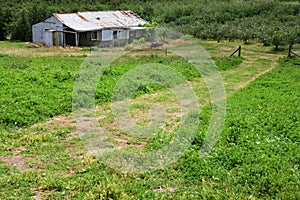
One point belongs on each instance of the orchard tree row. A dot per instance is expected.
(272, 22)
(268, 30)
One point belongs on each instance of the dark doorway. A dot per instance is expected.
(70, 39)
(115, 35)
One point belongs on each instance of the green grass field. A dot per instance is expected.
(256, 157)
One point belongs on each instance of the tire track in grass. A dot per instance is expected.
(234, 79)
(142, 104)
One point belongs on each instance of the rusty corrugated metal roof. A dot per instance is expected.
(89, 21)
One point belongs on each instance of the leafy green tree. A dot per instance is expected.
(215, 19)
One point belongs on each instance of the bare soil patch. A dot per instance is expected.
(19, 162)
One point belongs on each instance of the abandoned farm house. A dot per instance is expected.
(100, 28)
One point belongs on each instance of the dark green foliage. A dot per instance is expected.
(269, 21)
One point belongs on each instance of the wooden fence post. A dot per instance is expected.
(238, 50)
(290, 50)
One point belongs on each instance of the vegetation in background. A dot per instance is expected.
(272, 22)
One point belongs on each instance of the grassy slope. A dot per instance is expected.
(256, 156)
